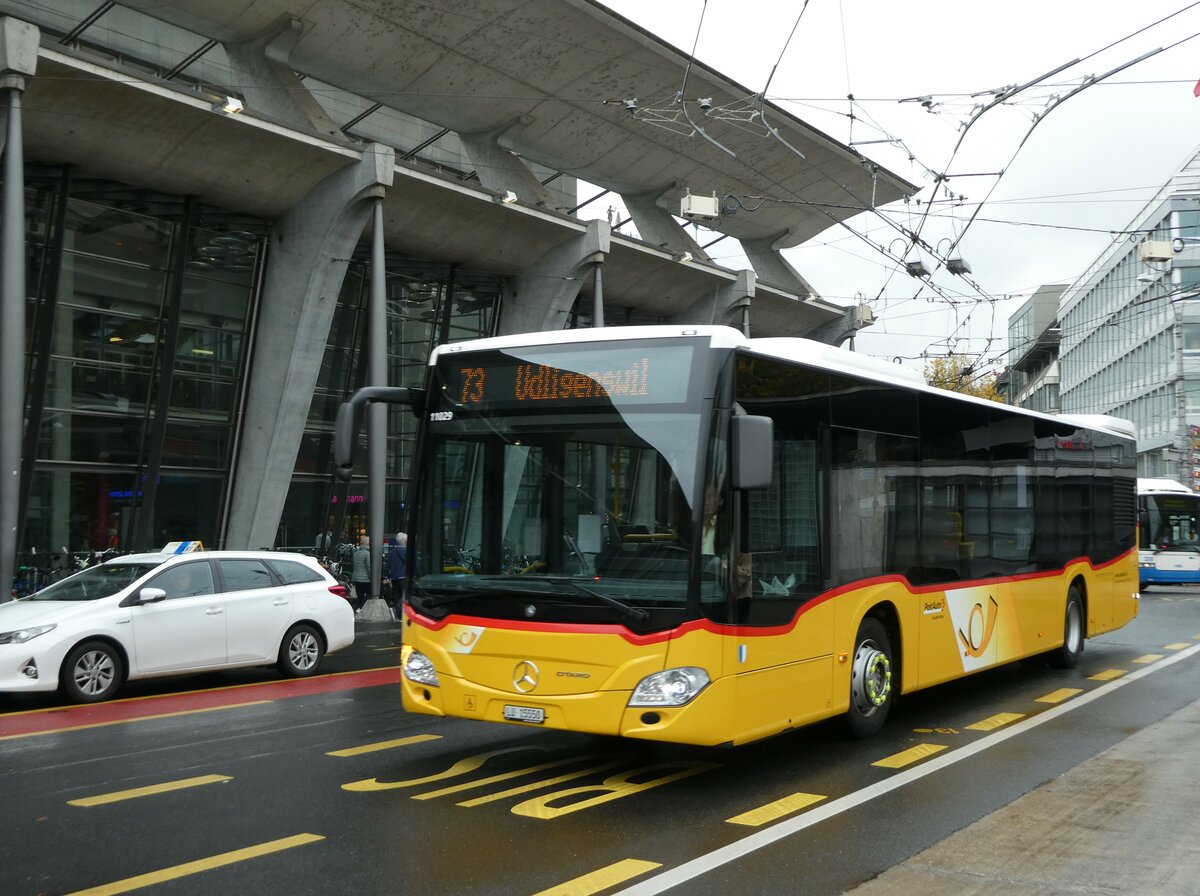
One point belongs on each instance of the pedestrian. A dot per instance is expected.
(360, 572)
(397, 569)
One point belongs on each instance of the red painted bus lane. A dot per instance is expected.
(116, 712)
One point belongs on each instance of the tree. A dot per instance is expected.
(959, 374)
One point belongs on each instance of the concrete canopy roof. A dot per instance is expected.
(554, 73)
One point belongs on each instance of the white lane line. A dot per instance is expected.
(763, 838)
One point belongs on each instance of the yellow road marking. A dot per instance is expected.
(177, 871)
(602, 879)
(539, 785)
(776, 810)
(1178, 645)
(909, 756)
(506, 776)
(558, 803)
(151, 790)
(1149, 658)
(997, 721)
(163, 715)
(1060, 695)
(462, 767)
(385, 745)
(1107, 675)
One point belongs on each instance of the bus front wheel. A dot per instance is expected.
(870, 679)
(1067, 656)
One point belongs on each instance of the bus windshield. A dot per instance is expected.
(1171, 522)
(562, 485)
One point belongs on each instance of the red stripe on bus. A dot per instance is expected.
(744, 631)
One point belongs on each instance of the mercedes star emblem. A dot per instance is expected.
(525, 676)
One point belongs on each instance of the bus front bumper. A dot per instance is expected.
(600, 712)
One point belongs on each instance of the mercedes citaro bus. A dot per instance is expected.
(686, 535)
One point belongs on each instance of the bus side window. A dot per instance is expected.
(780, 523)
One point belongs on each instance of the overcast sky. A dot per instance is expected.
(1088, 167)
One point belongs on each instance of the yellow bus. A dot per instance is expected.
(685, 535)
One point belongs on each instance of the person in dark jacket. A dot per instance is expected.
(397, 568)
(360, 572)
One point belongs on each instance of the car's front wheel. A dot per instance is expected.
(91, 672)
(301, 652)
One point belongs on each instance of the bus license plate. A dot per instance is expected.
(533, 714)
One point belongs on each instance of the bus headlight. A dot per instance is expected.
(671, 687)
(418, 667)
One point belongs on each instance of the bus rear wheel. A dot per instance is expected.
(870, 679)
(1067, 656)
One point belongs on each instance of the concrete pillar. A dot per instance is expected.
(654, 216)
(310, 249)
(771, 267)
(265, 78)
(727, 305)
(499, 168)
(374, 609)
(18, 60)
(546, 290)
(838, 330)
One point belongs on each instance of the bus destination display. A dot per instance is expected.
(622, 376)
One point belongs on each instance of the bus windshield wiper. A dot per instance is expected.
(625, 609)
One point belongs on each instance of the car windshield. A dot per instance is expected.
(95, 582)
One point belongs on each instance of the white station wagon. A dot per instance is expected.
(149, 615)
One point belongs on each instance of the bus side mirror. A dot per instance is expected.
(345, 434)
(752, 439)
(349, 421)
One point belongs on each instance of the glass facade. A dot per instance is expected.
(138, 308)
(140, 311)
(427, 304)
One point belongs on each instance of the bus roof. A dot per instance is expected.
(1170, 486)
(786, 348)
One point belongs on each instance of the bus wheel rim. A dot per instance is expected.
(871, 681)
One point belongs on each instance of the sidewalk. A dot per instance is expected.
(1124, 822)
(375, 612)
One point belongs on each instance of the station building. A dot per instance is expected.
(219, 198)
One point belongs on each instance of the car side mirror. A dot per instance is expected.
(149, 596)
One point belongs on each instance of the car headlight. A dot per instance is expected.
(418, 667)
(21, 635)
(672, 687)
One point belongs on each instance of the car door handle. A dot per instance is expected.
(281, 602)
(214, 611)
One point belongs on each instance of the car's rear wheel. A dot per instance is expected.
(301, 652)
(91, 672)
